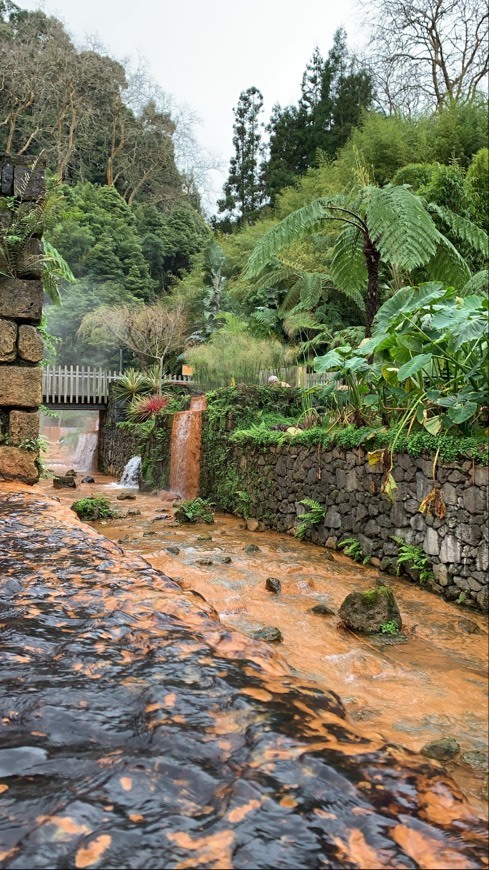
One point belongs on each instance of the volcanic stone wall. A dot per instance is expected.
(115, 445)
(278, 478)
(22, 188)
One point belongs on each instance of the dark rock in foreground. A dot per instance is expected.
(138, 732)
(272, 584)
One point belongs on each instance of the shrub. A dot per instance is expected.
(146, 408)
(194, 510)
(96, 508)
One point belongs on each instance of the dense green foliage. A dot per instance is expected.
(194, 510)
(96, 508)
(408, 191)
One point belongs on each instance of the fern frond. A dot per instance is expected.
(293, 227)
(348, 269)
(478, 283)
(448, 266)
(473, 236)
(401, 228)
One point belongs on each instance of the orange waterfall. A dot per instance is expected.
(186, 437)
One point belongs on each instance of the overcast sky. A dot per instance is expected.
(205, 52)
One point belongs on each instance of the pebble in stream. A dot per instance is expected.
(150, 735)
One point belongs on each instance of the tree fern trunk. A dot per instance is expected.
(372, 260)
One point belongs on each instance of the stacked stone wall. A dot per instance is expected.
(278, 478)
(115, 446)
(22, 187)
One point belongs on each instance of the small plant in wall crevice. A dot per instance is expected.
(310, 518)
(352, 548)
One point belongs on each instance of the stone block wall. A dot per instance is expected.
(21, 347)
(278, 478)
(115, 446)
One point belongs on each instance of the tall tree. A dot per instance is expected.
(428, 52)
(243, 191)
(333, 94)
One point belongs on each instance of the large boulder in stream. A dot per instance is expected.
(369, 612)
(141, 732)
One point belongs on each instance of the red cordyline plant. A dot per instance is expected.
(146, 408)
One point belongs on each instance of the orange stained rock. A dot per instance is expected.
(86, 856)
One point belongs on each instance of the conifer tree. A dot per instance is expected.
(243, 191)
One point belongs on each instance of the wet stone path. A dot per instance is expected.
(139, 732)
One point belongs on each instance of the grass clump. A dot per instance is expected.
(410, 557)
(194, 510)
(96, 508)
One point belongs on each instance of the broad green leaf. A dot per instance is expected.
(413, 366)
(461, 413)
(433, 425)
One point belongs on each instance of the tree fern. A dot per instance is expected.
(348, 264)
(401, 228)
(447, 265)
(285, 233)
(476, 284)
(463, 229)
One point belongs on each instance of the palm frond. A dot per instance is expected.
(463, 229)
(401, 228)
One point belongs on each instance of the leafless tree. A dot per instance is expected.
(151, 332)
(427, 52)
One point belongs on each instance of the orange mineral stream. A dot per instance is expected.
(433, 685)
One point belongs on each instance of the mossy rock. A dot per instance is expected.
(366, 612)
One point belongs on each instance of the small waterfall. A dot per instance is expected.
(86, 449)
(186, 437)
(131, 474)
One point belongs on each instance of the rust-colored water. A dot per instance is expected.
(433, 685)
(186, 438)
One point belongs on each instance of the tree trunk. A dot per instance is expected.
(372, 260)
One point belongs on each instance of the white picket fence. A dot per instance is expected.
(297, 376)
(76, 385)
(85, 385)
(88, 385)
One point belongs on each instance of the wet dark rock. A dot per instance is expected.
(226, 560)
(160, 517)
(204, 562)
(126, 496)
(327, 556)
(269, 634)
(204, 538)
(321, 610)
(88, 479)
(123, 540)
(476, 760)
(67, 481)
(367, 612)
(443, 749)
(273, 585)
(251, 548)
(468, 626)
(134, 512)
(71, 473)
(149, 534)
(173, 551)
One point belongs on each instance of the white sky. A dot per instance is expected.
(205, 52)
